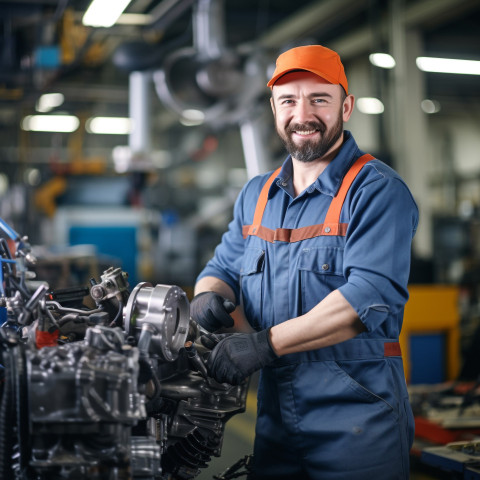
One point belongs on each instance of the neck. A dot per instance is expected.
(304, 174)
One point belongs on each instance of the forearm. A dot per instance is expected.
(213, 284)
(330, 322)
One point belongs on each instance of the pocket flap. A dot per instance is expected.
(253, 261)
(324, 260)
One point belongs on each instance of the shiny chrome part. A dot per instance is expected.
(162, 313)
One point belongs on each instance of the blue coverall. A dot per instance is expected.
(340, 412)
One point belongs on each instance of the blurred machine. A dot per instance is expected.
(118, 390)
(455, 461)
(208, 83)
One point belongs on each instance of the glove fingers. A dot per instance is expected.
(208, 341)
(211, 311)
(228, 306)
(220, 364)
(220, 313)
(223, 373)
(211, 340)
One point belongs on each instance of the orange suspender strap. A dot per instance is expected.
(331, 226)
(262, 203)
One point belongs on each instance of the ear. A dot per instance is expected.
(347, 108)
(272, 105)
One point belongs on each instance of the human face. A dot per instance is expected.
(309, 115)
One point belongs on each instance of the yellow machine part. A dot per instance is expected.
(433, 309)
(46, 195)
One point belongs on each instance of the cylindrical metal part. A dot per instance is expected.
(166, 309)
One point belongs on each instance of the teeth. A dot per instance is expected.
(308, 132)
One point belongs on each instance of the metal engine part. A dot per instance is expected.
(86, 391)
(158, 317)
(119, 392)
(114, 284)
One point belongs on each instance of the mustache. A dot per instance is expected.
(302, 127)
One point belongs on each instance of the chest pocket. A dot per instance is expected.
(251, 284)
(320, 271)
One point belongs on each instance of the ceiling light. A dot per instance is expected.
(192, 117)
(370, 105)
(49, 101)
(382, 60)
(448, 65)
(109, 125)
(50, 123)
(125, 160)
(430, 106)
(3, 184)
(104, 13)
(138, 19)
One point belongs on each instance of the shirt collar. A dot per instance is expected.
(330, 179)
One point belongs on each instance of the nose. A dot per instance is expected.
(303, 111)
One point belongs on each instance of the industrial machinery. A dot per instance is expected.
(455, 461)
(114, 392)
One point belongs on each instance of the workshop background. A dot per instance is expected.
(127, 144)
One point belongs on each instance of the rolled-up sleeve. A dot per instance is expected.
(377, 254)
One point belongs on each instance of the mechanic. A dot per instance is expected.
(317, 257)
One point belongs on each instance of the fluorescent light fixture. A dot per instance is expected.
(109, 125)
(138, 19)
(382, 60)
(49, 101)
(448, 65)
(104, 13)
(430, 106)
(125, 160)
(370, 105)
(3, 184)
(32, 177)
(192, 117)
(50, 123)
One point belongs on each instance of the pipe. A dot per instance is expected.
(139, 110)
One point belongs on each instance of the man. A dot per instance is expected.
(318, 258)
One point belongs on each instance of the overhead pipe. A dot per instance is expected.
(167, 11)
(209, 38)
(139, 111)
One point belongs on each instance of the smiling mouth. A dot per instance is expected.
(305, 132)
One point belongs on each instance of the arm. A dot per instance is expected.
(236, 357)
(213, 284)
(370, 294)
(332, 321)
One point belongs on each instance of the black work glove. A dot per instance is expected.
(211, 311)
(238, 355)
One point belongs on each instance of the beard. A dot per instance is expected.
(310, 150)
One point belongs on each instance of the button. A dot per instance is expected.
(327, 229)
(325, 266)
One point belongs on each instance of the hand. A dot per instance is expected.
(211, 311)
(238, 355)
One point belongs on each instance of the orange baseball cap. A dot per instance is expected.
(314, 58)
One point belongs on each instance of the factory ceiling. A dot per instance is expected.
(45, 48)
